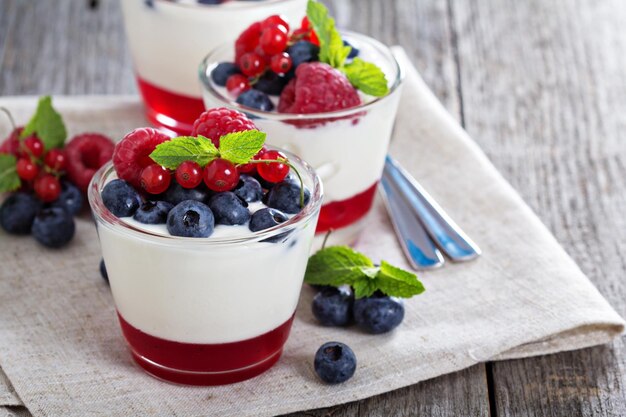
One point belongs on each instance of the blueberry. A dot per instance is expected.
(120, 198)
(222, 71)
(285, 196)
(334, 362)
(210, 1)
(53, 227)
(103, 271)
(229, 209)
(378, 313)
(266, 218)
(333, 306)
(249, 189)
(303, 51)
(354, 52)
(71, 199)
(271, 84)
(268, 185)
(191, 218)
(255, 99)
(176, 194)
(153, 212)
(18, 212)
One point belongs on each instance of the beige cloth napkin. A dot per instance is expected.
(62, 350)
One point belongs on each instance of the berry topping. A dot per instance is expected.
(47, 188)
(11, 144)
(334, 362)
(85, 154)
(273, 40)
(285, 196)
(55, 160)
(237, 84)
(256, 100)
(70, 198)
(17, 213)
(303, 51)
(275, 21)
(190, 219)
(281, 63)
(189, 174)
(248, 40)
(26, 169)
(266, 218)
(317, 88)
(354, 52)
(176, 194)
(120, 198)
(53, 227)
(155, 179)
(103, 271)
(223, 71)
(217, 122)
(251, 64)
(33, 146)
(378, 313)
(153, 212)
(221, 175)
(228, 209)
(132, 154)
(270, 83)
(333, 306)
(275, 171)
(248, 189)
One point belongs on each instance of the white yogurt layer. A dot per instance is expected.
(169, 40)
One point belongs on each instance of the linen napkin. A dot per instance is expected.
(61, 348)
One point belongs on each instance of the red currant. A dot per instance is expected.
(246, 169)
(47, 188)
(273, 40)
(189, 174)
(274, 171)
(305, 23)
(55, 160)
(251, 64)
(276, 20)
(281, 63)
(313, 38)
(33, 146)
(237, 84)
(221, 175)
(155, 179)
(26, 169)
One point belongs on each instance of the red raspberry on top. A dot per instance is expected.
(248, 40)
(84, 155)
(217, 122)
(132, 154)
(317, 88)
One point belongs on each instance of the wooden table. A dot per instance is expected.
(539, 84)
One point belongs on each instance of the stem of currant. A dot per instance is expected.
(9, 116)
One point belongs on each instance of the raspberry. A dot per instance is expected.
(132, 154)
(217, 122)
(248, 40)
(84, 155)
(317, 88)
(11, 144)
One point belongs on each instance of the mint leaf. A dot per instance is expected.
(365, 287)
(338, 265)
(240, 147)
(174, 152)
(366, 77)
(332, 49)
(398, 282)
(47, 124)
(9, 180)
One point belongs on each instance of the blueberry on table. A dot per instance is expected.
(285, 196)
(70, 198)
(255, 99)
(378, 313)
(222, 71)
(153, 212)
(176, 194)
(121, 198)
(228, 209)
(18, 212)
(334, 362)
(103, 271)
(53, 227)
(333, 306)
(248, 189)
(190, 219)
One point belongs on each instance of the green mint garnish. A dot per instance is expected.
(341, 265)
(364, 76)
(9, 180)
(47, 124)
(240, 147)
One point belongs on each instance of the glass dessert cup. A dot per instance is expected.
(167, 39)
(347, 148)
(203, 311)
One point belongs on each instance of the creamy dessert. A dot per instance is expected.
(205, 264)
(168, 39)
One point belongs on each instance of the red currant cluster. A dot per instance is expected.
(40, 168)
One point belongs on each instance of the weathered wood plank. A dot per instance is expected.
(543, 91)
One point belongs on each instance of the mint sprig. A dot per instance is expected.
(9, 180)
(342, 265)
(363, 75)
(47, 124)
(240, 147)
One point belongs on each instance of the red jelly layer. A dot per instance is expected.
(174, 111)
(206, 364)
(345, 212)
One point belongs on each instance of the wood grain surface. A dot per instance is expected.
(539, 84)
